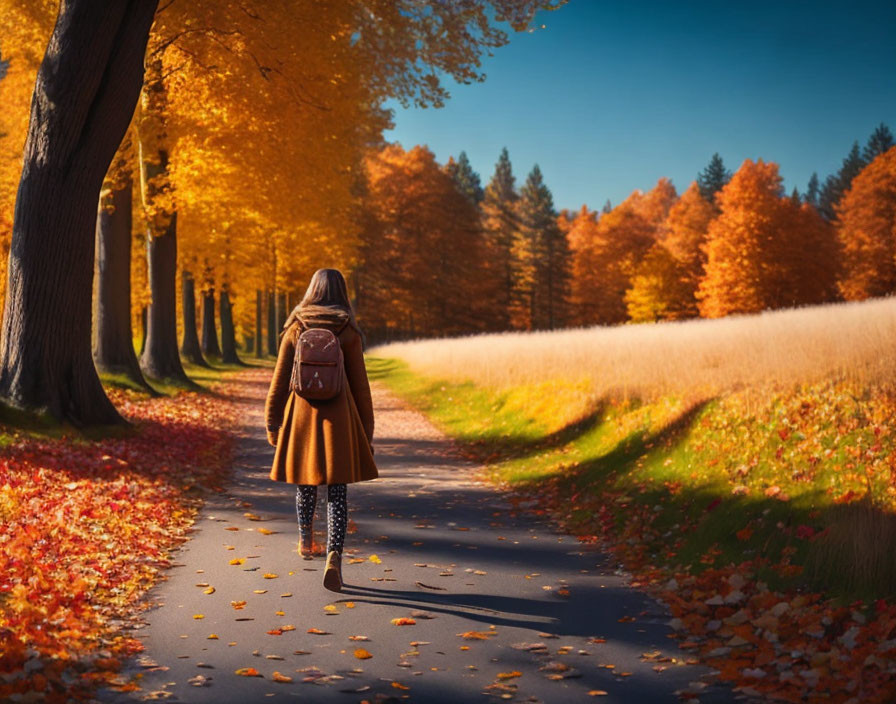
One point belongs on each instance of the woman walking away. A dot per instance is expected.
(319, 413)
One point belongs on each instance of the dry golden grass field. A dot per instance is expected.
(853, 342)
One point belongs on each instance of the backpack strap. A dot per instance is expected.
(341, 328)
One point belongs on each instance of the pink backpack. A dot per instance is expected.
(318, 371)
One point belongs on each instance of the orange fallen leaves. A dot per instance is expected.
(247, 672)
(88, 525)
(362, 654)
(403, 621)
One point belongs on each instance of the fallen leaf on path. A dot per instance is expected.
(375, 559)
(197, 616)
(247, 672)
(259, 591)
(403, 621)
(318, 632)
(212, 636)
(363, 654)
(429, 586)
(399, 685)
(509, 675)
(270, 575)
(238, 561)
(358, 638)
(597, 693)
(477, 635)
(278, 677)
(238, 604)
(266, 531)
(210, 590)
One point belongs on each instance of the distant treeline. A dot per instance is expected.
(442, 255)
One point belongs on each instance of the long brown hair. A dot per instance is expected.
(325, 301)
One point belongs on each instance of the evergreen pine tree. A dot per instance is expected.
(837, 184)
(544, 255)
(467, 179)
(879, 142)
(812, 188)
(713, 178)
(501, 224)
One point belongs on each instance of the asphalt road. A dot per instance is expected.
(503, 606)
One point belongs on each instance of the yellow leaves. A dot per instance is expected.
(270, 575)
(212, 636)
(238, 561)
(238, 604)
(509, 675)
(252, 516)
(403, 621)
(317, 632)
(210, 590)
(266, 531)
(277, 677)
(375, 559)
(358, 638)
(198, 616)
(362, 654)
(259, 591)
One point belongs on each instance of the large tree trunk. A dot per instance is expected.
(272, 326)
(210, 345)
(83, 100)
(189, 347)
(160, 358)
(259, 312)
(228, 335)
(113, 343)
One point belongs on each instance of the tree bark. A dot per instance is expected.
(160, 358)
(113, 343)
(143, 316)
(259, 312)
(272, 326)
(281, 311)
(210, 345)
(228, 335)
(84, 97)
(189, 347)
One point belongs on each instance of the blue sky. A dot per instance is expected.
(612, 95)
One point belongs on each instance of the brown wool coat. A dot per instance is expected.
(322, 442)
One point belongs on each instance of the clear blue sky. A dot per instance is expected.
(612, 95)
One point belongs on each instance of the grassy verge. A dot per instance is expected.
(724, 507)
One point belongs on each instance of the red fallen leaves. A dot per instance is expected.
(85, 528)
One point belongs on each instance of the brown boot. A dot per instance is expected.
(333, 572)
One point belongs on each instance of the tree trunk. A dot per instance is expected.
(143, 314)
(189, 348)
(160, 358)
(113, 343)
(209, 332)
(84, 97)
(259, 312)
(272, 326)
(228, 335)
(281, 311)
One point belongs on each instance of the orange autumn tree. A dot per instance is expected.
(664, 285)
(425, 269)
(764, 250)
(606, 252)
(866, 230)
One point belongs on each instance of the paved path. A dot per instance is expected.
(547, 618)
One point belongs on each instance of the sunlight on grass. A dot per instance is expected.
(696, 484)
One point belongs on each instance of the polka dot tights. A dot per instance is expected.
(337, 513)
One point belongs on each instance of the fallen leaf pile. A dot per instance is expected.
(85, 528)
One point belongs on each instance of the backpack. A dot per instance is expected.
(318, 370)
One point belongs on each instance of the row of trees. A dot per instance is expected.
(443, 255)
(228, 141)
